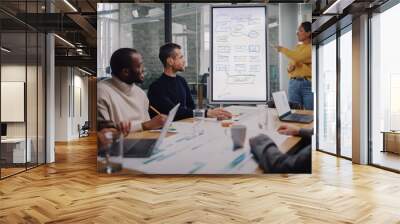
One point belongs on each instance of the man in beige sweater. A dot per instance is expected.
(120, 100)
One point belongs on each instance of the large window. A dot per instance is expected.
(346, 92)
(327, 96)
(385, 87)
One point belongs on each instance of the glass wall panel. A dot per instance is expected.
(139, 26)
(22, 89)
(41, 109)
(346, 93)
(31, 97)
(385, 89)
(13, 87)
(190, 29)
(327, 96)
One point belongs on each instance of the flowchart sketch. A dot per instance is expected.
(241, 79)
(224, 49)
(240, 68)
(253, 34)
(222, 58)
(254, 68)
(238, 54)
(222, 38)
(223, 67)
(240, 48)
(254, 49)
(239, 58)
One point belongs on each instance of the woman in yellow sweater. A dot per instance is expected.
(299, 68)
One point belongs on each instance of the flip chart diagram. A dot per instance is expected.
(238, 52)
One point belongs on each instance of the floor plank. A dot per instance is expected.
(71, 191)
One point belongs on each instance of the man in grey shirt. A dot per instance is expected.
(272, 160)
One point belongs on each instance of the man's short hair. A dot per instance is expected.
(166, 51)
(121, 59)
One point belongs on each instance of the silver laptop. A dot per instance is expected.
(284, 112)
(141, 148)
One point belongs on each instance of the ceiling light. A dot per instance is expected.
(84, 71)
(70, 5)
(338, 6)
(5, 50)
(65, 41)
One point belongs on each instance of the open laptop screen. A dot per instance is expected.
(168, 122)
(281, 103)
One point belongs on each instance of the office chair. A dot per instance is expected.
(84, 130)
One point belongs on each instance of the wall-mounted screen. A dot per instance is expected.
(238, 54)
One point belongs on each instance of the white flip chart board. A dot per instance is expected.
(12, 101)
(238, 54)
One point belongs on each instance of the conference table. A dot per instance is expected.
(208, 147)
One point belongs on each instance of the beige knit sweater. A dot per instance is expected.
(118, 101)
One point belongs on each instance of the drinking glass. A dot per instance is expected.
(198, 118)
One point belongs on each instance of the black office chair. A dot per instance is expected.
(84, 130)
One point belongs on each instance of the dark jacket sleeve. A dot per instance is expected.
(306, 132)
(272, 160)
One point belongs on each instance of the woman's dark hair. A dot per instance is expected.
(306, 26)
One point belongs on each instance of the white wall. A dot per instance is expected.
(70, 83)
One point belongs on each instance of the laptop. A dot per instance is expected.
(284, 112)
(142, 148)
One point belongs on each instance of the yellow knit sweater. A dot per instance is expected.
(300, 57)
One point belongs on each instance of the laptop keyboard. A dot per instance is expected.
(138, 148)
(299, 117)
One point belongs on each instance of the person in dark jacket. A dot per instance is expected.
(272, 160)
(171, 89)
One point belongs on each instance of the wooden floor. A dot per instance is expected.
(70, 191)
(387, 159)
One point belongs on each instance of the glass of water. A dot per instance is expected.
(262, 113)
(198, 118)
(112, 148)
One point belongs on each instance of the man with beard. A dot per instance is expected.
(171, 89)
(120, 100)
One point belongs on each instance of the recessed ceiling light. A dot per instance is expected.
(5, 50)
(70, 5)
(84, 71)
(64, 40)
